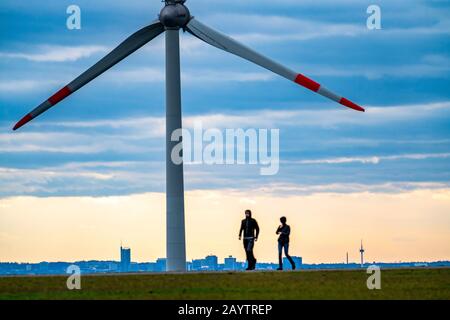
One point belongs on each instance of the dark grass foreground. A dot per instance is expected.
(396, 284)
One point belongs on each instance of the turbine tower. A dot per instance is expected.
(361, 250)
(173, 17)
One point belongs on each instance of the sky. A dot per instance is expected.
(89, 173)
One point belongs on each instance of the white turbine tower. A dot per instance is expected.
(173, 17)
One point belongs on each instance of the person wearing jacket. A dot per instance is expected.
(283, 243)
(250, 229)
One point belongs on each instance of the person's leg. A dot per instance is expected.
(280, 253)
(246, 254)
(286, 252)
(251, 257)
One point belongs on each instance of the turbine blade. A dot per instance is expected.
(228, 44)
(123, 50)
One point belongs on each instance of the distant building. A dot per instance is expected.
(230, 263)
(211, 262)
(420, 264)
(297, 260)
(125, 259)
(259, 266)
(161, 264)
(112, 266)
(197, 264)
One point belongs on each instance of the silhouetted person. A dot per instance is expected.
(251, 231)
(283, 242)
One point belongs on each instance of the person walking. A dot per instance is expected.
(250, 229)
(283, 243)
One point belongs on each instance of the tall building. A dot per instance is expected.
(362, 254)
(230, 263)
(347, 257)
(125, 259)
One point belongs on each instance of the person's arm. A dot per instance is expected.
(278, 230)
(241, 230)
(287, 230)
(257, 230)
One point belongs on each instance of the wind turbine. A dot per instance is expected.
(173, 17)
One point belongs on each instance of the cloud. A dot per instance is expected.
(289, 189)
(134, 135)
(87, 178)
(150, 75)
(272, 28)
(309, 117)
(280, 29)
(429, 66)
(372, 159)
(153, 126)
(71, 143)
(56, 53)
(99, 178)
(135, 139)
(14, 86)
(432, 66)
(45, 174)
(143, 75)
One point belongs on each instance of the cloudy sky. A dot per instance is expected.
(90, 172)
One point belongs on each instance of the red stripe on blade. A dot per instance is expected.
(307, 82)
(348, 103)
(61, 94)
(22, 121)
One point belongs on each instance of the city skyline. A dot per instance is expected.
(206, 264)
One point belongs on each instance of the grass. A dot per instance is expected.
(396, 284)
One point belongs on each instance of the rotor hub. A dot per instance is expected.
(174, 14)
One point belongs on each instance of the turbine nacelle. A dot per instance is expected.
(174, 14)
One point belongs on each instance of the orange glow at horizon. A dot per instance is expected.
(407, 226)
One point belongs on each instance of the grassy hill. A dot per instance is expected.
(396, 284)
